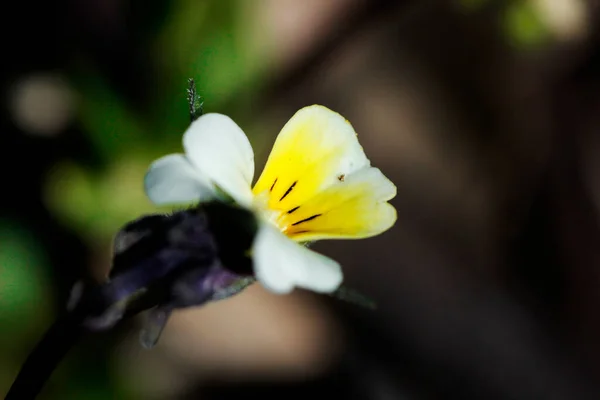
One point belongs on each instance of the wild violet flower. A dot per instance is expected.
(317, 184)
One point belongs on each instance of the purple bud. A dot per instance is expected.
(166, 262)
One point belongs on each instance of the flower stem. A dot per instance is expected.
(41, 362)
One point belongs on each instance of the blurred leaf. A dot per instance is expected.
(25, 298)
(523, 25)
(106, 117)
(97, 205)
(25, 304)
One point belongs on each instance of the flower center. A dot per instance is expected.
(261, 206)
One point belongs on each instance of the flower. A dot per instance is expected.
(317, 184)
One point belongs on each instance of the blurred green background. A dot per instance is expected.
(483, 113)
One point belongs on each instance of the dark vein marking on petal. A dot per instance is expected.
(307, 219)
(273, 185)
(293, 209)
(288, 191)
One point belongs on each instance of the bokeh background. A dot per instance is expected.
(486, 115)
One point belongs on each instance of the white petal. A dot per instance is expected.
(173, 180)
(280, 264)
(222, 153)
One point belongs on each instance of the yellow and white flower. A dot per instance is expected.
(317, 184)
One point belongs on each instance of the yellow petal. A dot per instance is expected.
(351, 209)
(315, 149)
